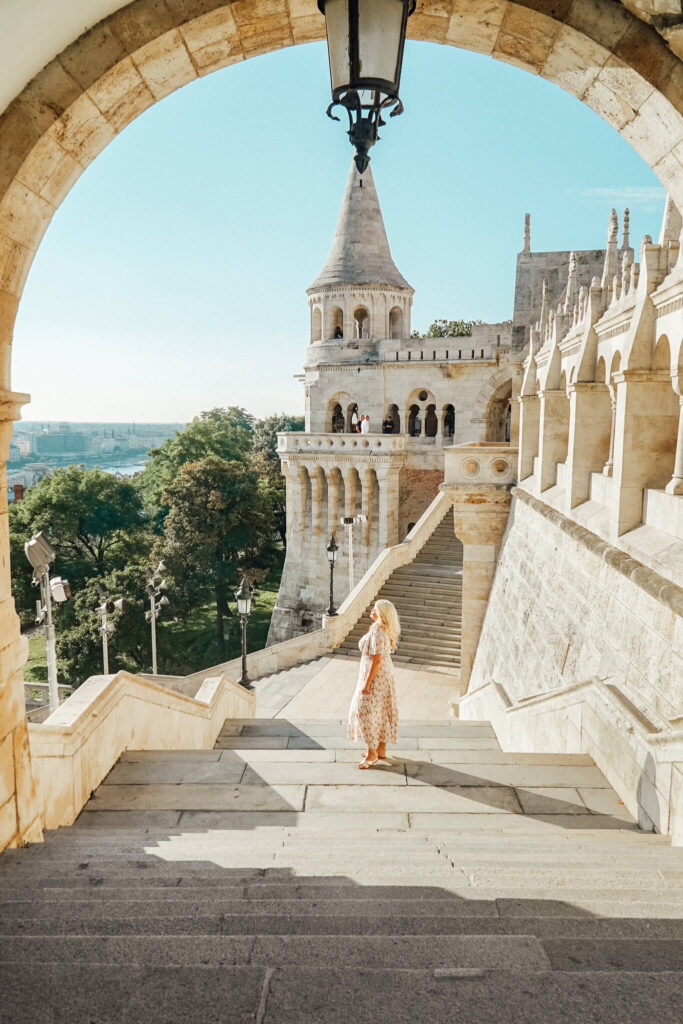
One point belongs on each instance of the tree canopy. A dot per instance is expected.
(219, 526)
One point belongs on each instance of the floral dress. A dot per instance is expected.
(374, 715)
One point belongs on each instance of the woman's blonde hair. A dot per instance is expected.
(387, 616)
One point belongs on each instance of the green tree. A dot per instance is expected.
(219, 525)
(451, 328)
(225, 433)
(79, 647)
(94, 521)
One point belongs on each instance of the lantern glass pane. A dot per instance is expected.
(379, 35)
(337, 22)
(243, 606)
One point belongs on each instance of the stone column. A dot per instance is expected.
(350, 490)
(645, 435)
(609, 465)
(388, 480)
(589, 430)
(675, 484)
(480, 517)
(517, 375)
(367, 505)
(423, 421)
(300, 504)
(553, 435)
(19, 804)
(529, 415)
(333, 513)
(318, 505)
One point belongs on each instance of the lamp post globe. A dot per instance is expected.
(243, 598)
(365, 41)
(332, 549)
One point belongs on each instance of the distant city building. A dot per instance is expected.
(60, 442)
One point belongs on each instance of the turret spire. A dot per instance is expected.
(360, 250)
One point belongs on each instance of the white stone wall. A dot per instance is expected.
(567, 608)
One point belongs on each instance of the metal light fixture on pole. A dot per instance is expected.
(243, 598)
(40, 553)
(349, 522)
(155, 586)
(107, 627)
(365, 41)
(332, 549)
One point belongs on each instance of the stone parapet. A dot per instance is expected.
(77, 746)
(301, 443)
(481, 463)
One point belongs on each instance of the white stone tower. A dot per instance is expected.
(359, 295)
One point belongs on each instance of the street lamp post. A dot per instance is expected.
(40, 553)
(349, 522)
(155, 585)
(365, 41)
(332, 549)
(108, 627)
(243, 597)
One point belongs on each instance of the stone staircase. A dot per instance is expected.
(427, 594)
(269, 881)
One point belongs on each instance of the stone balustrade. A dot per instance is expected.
(301, 443)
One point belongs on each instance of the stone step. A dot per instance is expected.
(491, 952)
(578, 927)
(321, 994)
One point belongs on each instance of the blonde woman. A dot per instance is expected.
(374, 709)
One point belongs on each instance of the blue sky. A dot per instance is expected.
(173, 277)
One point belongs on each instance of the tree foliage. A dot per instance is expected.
(225, 433)
(211, 502)
(219, 526)
(94, 521)
(448, 329)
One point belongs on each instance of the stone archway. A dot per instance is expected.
(596, 50)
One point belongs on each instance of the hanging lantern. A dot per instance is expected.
(365, 40)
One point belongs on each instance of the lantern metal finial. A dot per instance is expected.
(365, 40)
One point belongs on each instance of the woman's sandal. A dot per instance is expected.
(368, 764)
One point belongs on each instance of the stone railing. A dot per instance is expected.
(76, 747)
(303, 444)
(480, 463)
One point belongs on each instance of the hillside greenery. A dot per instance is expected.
(210, 504)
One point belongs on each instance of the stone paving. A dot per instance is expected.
(269, 881)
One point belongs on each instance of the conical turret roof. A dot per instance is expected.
(360, 250)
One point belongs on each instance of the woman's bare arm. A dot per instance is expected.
(374, 668)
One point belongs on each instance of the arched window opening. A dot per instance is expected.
(337, 424)
(499, 415)
(431, 422)
(414, 421)
(448, 421)
(316, 324)
(392, 421)
(352, 418)
(396, 322)
(562, 422)
(361, 319)
(663, 433)
(335, 327)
